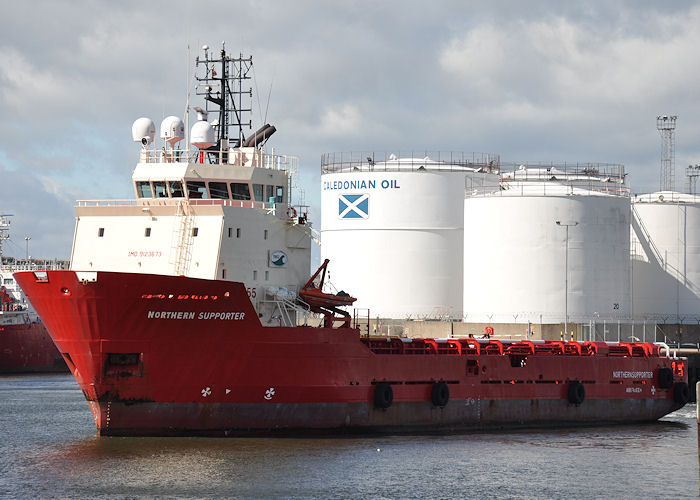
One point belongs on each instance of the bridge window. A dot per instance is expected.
(218, 190)
(176, 189)
(240, 191)
(196, 190)
(258, 192)
(147, 233)
(269, 193)
(195, 231)
(143, 189)
(100, 232)
(159, 188)
(279, 195)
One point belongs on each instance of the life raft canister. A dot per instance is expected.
(383, 395)
(440, 394)
(576, 393)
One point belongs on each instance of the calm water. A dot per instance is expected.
(48, 449)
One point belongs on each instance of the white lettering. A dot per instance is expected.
(626, 374)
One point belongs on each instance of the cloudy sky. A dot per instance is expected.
(531, 81)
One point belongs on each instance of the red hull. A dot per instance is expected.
(28, 347)
(164, 355)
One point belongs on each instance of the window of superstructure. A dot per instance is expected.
(255, 275)
(100, 232)
(223, 274)
(238, 232)
(258, 192)
(196, 190)
(8, 281)
(143, 189)
(265, 234)
(147, 233)
(195, 231)
(279, 194)
(230, 231)
(240, 191)
(218, 190)
(269, 194)
(175, 188)
(159, 189)
(267, 275)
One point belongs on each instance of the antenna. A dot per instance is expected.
(666, 125)
(220, 81)
(692, 173)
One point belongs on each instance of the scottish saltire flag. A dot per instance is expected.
(353, 206)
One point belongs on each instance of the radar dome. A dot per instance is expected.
(172, 129)
(144, 131)
(202, 135)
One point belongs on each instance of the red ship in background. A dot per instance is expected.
(185, 312)
(25, 345)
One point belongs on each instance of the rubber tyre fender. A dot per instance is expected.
(576, 393)
(665, 378)
(440, 394)
(383, 395)
(681, 393)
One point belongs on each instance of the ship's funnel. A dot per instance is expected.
(144, 131)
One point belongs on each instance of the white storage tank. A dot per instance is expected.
(516, 267)
(665, 252)
(392, 227)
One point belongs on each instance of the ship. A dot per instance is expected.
(189, 311)
(25, 345)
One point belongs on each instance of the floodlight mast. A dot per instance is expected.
(666, 125)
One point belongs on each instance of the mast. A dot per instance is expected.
(224, 93)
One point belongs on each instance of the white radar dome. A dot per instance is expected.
(202, 135)
(172, 129)
(144, 131)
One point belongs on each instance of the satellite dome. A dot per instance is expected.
(172, 129)
(143, 130)
(202, 135)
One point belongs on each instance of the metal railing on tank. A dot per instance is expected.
(550, 179)
(369, 161)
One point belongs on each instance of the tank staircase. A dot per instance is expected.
(653, 254)
(181, 245)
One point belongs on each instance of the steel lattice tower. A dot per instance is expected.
(692, 173)
(666, 126)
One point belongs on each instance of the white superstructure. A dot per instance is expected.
(221, 210)
(665, 237)
(516, 239)
(392, 226)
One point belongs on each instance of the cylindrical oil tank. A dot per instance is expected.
(392, 228)
(547, 244)
(665, 237)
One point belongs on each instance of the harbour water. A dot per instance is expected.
(48, 449)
